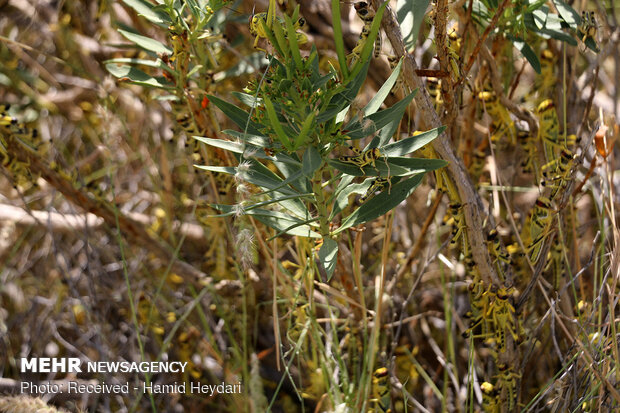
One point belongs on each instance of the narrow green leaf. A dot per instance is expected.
(547, 33)
(258, 174)
(158, 64)
(137, 76)
(344, 98)
(411, 144)
(292, 227)
(328, 256)
(229, 170)
(312, 161)
(558, 35)
(146, 43)
(292, 173)
(346, 187)
(591, 44)
(339, 39)
(384, 91)
(301, 138)
(568, 14)
(294, 180)
(394, 166)
(146, 10)
(393, 121)
(237, 115)
(273, 219)
(278, 31)
(535, 5)
(540, 17)
(554, 22)
(233, 210)
(527, 52)
(271, 37)
(410, 15)
(292, 38)
(382, 203)
(255, 140)
(234, 147)
(276, 125)
(379, 119)
(285, 225)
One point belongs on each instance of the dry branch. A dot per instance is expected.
(58, 222)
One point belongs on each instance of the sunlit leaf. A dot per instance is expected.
(381, 203)
(328, 256)
(146, 43)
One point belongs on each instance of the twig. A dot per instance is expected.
(481, 40)
(418, 244)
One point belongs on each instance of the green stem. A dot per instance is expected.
(320, 204)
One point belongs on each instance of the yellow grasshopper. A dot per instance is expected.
(262, 23)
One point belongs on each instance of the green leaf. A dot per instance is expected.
(322, 81)
(410, 15)
(355, 129)
(591, 44)
(292, 38)
(292, 172)
(547, 33)
(328, 256)
(146, 10)
(233, 210)
(255, 140)
(554, 22)
(558, 35)
(527, 52)
(394, 166)
(342, 99)
(339, 38)
(237, 115)
(395, 116)
(278, 31)
(345, 188)
(137, 76)
(540, 17)
(411, 144)
(568, 14)
(535, 5)
(146, 43)
(382, 203)
(273, 219)
(312, 161)
(384, 91)
(158, 64)
(276, 125)
(258, 174)
(234, 147)
(229, 170)
(301, 138)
